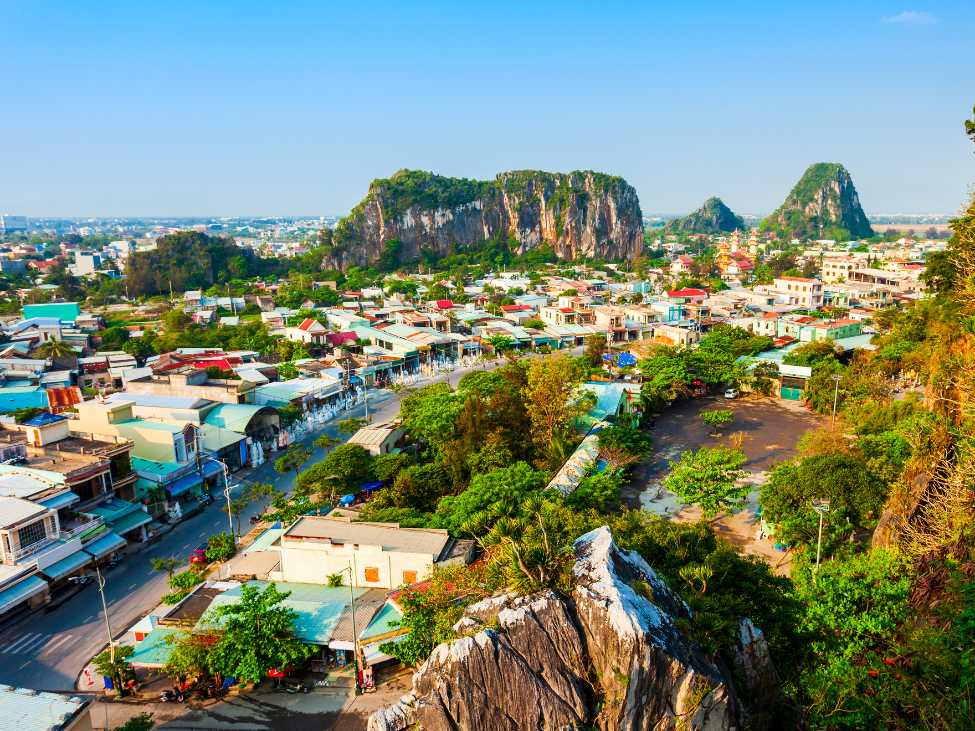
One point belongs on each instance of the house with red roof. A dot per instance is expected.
(309, 331)
(681, 265)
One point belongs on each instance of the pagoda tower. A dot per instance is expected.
(735, 241)
(753, 246)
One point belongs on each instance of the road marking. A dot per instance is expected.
(22, 640)
(60, 642)
(88, 620)
(24, 665)
(35, 643)
(132, 587)
(186, 546)
(202, 535)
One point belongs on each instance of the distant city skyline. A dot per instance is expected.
(217, 109)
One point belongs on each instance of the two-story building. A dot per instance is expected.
(798, 291)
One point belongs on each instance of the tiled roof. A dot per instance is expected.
(796, 279)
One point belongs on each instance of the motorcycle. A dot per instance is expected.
(254, 519)
(206, 498)
(297, 686)
(202, 693)
(171, 695)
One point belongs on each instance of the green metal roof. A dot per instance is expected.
(153, 651)
(234, 417)
(318, 607)
(380, 624)
(156, 468)
(154, 425)
(265, 539)
(131, 520)
(215, 438)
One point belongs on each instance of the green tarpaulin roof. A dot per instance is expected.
(232, 416)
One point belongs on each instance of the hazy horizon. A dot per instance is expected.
(209, 110)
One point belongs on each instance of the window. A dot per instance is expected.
(791, 382)
(409, 577)
(31, 534)
(372, 574)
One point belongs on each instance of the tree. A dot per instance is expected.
(343, 469)
(142, 722)
(236, 509)
(115, 337)
(262, 493)
(327, 442)
(258, 635)
(499, 343)
(112, 664)
(707, 478)
(169, 565)
(500, 490)
(293, 459)
(717, 418)
(140, 348)
(387, 466)
(763, 376)
(554, 397)
(287, 370)
(401, 391)
(351, 425)
(595, 347)
(221, 546)
(431, 414)
(55, 349)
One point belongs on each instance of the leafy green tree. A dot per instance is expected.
(483, 383)
(221, 546)
(596, 491)
(293, 459)
(262, 493)
(555, 396)
(595, 347)
(55, 349)
(430, 415)
(351, 425)
(114, 338)
(500, 490)
(535, 323)
(856, 499)
(500, 343)
(387, 466)
(287, 370)
(258, 635)
(717, 418)
(707, 478)
(169, 565)
(811, 354)
(114, 665)
(763, 377)
(236, 509)
(290, 414)
(342, 470)
(140, 348)
(327, 442)
(142, 722)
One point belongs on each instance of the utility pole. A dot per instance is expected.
(836, 394)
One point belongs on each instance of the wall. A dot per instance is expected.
(315, 565)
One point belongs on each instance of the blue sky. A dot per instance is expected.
(183, 109)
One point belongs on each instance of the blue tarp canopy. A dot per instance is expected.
(183, 484)
(45, 419)
(620, 359)
(347, 500)
(372, 485)
(211, 467)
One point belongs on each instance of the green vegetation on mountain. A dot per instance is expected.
(186, 260)
(711, 218)
(823, 205)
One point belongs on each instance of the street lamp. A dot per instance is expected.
(227, 488)
(836, 394)
(355, 639)
(108, 625)
(821, 507)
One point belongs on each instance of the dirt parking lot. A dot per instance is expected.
(771, 427)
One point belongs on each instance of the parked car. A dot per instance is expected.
(200, 554)
(731, 393)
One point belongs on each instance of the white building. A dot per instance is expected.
(379, 555)
(10, 223)
(86, 262)
(798, 291)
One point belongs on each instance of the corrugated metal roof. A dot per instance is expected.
(319, 607)
(380, 624)
(11, 597)
(23, 486)
(170, 402)
(14, 510)
(402, 540)
(215, 438)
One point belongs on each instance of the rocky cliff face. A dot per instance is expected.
(824, 204)
(578, 214)
(608, 657)
(712, 217)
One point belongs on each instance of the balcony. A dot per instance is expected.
(74, 528)
(23, 556)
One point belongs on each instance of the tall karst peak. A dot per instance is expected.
(823, 205)
(712, 217)
(582, 213)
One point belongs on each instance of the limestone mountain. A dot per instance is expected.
(823, 205)
(577, 214)
(711, 218)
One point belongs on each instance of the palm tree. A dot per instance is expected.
(55, 349)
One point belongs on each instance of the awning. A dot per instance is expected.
(183, 484)
(131, 521)
(372, 485)
(66, 565)
(347, 500)
(211, 467)
(105, 545)
(372, 653)
(60, 501)
(21, 592)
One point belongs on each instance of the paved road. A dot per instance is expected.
(48, 651)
